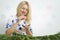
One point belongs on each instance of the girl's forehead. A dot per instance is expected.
(25, 6)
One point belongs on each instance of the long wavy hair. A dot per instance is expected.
(28, 15)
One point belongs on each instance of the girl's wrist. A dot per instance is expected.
(27, 29)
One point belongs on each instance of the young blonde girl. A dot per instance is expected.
(21, 24)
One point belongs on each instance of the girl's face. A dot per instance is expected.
(24, 10)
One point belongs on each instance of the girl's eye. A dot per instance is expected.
(23, 8)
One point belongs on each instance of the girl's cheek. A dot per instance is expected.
(26, 12)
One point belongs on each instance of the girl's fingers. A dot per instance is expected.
(23, 25)
(26, 26)
(22, 17)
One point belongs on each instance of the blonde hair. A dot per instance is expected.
(28, 15)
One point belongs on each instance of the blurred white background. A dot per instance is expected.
(45, 15)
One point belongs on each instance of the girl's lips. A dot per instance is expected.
(23, 12)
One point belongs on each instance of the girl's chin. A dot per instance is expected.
(23, 15)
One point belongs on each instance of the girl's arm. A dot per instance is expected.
(28, 32)
(11, 30)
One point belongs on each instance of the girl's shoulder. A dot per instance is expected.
(12, 19)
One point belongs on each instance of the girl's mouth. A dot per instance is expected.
(23, 12)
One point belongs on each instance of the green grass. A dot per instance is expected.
(24, 37)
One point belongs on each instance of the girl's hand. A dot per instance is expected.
(21, 18)
(28, 32)
(26, 26)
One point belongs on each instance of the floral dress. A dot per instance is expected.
(19, 26)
